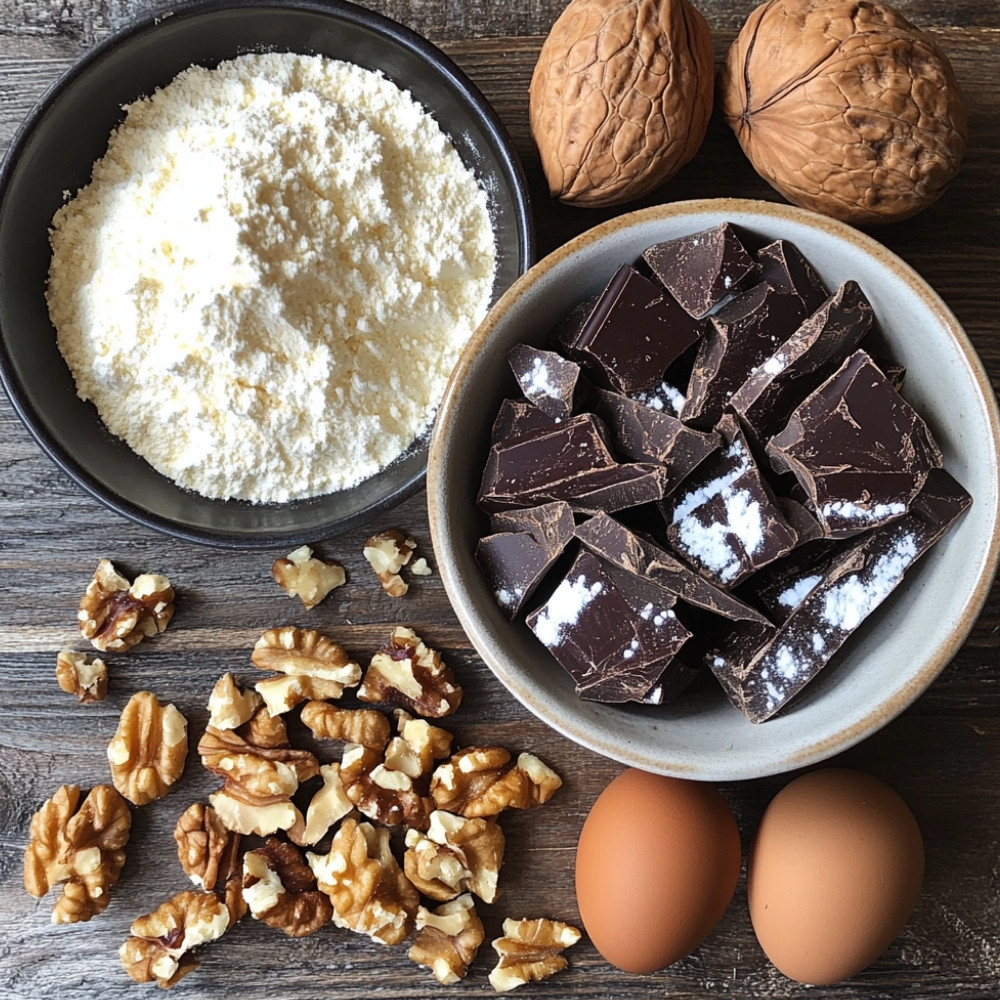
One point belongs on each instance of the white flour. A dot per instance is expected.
(269, 278)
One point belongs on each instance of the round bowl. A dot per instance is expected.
(897, 652)
(54, 153)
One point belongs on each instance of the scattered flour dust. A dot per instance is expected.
(268, 280)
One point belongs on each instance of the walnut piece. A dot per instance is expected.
(483, 781)
(159, 947)
(387, 553)
(380, 793)
(861, 118)
(417, 747)
(84, 676)
(369, 892)
(149, 748)
(447, 939)
(80, 846)
(301, 574)
(408, 674)
(364, 726)
(116, 615)
(279, 888)
(327, 806)
(306, 653)
(455, 854)
(530, 950)
(282, 692)
(620, 97)
(231, 704)
(208, 852)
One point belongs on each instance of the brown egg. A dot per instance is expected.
(833, 875)
(656, 867)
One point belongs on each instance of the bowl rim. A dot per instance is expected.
(817, 750)
(191, 10)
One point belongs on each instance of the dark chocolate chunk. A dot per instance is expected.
(703, 269)
(614, 652)
(748, 329)
(630, 484)
(632, 334)
(568, 328)
(816, 349)
(615, 544)
(546, 379)
(762, 673)
(665, 397)
(859, 451)
(647, 435)
(516, 419)
(724, 520)
(550, 524)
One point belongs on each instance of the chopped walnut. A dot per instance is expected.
(369, 892)
(259, 820)
(208, 852)
(447, 939)
(116, 615)
(387, 553)
(454, 855)
(483, 781)
(282, 692)
(327, 806)
(80, 846)
(305, 653)
(84, 676)
(149, 749)
(365, 726)
(230, 704)
(302, 575)
(417, 746)
(408, 674)
(279, 888)
(159, 947)
(530, 950)
(419, 567)
(380, 793)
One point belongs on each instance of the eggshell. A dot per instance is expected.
(656, 866)
(833, 875)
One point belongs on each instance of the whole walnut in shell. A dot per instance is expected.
(845, 108)
(620, 97)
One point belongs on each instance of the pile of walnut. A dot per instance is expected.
(395, 771)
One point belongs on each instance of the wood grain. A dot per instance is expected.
(943, 754)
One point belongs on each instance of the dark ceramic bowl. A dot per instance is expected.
(55, 151)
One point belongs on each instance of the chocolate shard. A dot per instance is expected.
(632, 334)
(760, 675)
(773, 390)
(547, 379)
(565, 332)
(616, 544)
(517, 419)
(647, 435)
(550, 524)
(613, 651)
(749, 328)
(859, 451)
(664, 397)
(630, 484)
(724, 520)
(703, 269)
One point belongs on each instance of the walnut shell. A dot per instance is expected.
(620, 97)
(845, 108)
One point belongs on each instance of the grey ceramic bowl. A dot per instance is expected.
(54, 152)
(897, 652)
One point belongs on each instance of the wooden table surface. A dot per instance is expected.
(942, 755)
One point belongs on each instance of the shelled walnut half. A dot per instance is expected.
(279, 889)
(303, 575)
(84, 676)
(483, 781)
(149, 748)
(160, 945)
(382, 794)
(116, 615)
(208, 852)
(447, 939)
(231, 704)
(80, 846)
(530, 950)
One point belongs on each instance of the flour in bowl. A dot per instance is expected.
(270, 276)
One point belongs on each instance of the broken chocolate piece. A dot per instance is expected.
(516, 419)
(615, 544)
(826, 605)
(546, 379)
(628, 485)
(633, 333)
(644, 434)
(859, 451)
(749, 329)
(665, 397)
(766, 400)
(702, 269)
(550, 524)
(514, 564)
(613, 651)
(724, 520)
